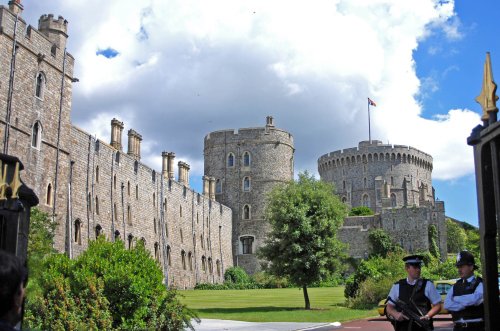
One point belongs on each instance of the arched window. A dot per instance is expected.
(190, 261)
(210, 266)
(137, 192)
(157, 252)
(36, 135)
(393, 200)
(115, 211)
(89, 203)
(114, 182)
(40, 85)
(246, 212)
(154, 225)
(130, 239)
(136, 167)
(128, 188)
(364, 182)
(78, 232)
(230, 160)
(183, 259)
(217, 264)
(98, 230)
(203, 264)
(117, 235)
(154, 199)
(366, 200)
(169, 258)
(97, 205)
(129, 215)
(218, 186)
(48, 199)
(246, 159)
(97, 174)
(246, 244)
(201, 241)
(246, 184)
(344, 199)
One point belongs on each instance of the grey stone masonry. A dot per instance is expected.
(247, 164)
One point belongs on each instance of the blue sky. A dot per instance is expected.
(176, 70)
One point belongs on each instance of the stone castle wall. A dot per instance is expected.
(270, 153)
(88, 186)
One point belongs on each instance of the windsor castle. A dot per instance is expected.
(91, 187)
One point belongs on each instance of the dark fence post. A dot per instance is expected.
(486, 142)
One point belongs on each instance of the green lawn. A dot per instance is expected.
(273, 305)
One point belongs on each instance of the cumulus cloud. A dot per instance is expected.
(186, 68)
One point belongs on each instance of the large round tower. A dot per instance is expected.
(246, 165)
(377, 175)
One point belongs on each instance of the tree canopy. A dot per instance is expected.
(304, 217)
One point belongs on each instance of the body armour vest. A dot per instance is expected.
(417, 294)
(462, 287)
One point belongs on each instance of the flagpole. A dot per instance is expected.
(369, 130)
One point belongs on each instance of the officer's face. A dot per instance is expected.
(465, 271)
(413, 270)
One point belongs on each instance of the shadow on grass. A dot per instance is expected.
(248, 310)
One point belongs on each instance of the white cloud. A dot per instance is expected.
(189, 67)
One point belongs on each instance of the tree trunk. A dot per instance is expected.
(306, 297)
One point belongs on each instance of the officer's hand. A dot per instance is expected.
(425, 318)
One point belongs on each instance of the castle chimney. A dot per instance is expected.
(54, 29)
(116, 134)
(211, 188)
(206, 185)
(16, 7)
(164, 164)
(270, 121)
(134, 144)
(171, 157)
(183, 173)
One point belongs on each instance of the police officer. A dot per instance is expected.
(465, 299)
(419, 294)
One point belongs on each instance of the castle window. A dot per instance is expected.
(197, 218)
(184, 191)
(157, 252)
(201, 241)
(53, 50)
(246, 244)
(117, 157)
(343, 184)
(182, 237)
(97, 174)
(36, 135)
(344, 199)
(246, 159)
(169, 258)
(117, 235)
(208, 242)
(366, 200)
(393, 200)
(183, 259)
(154, 200)
(136, 192)
(40, 85)
(210, 266)
(129, 215)
(153, 176)
(217, 264)
(48, 200)
(97, 205)
(89, 203)
(115, 211)
(98, 230)
(246, 184)
(364, 182)
(128, 188)
(136, 167)
(130, 238)
(190, 261)
(392, 181)
(218, 186)
(230, 160)
(180, 211)
(154, 225)
(246, 212)
(97, 146)
(114, 182)
(78, 232)
(203, 264)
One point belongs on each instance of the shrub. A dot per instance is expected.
(236, 275)
(361, 211)
(370, 292)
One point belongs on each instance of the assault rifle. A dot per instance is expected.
(412, 316)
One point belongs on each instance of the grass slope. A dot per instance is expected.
(273, 305)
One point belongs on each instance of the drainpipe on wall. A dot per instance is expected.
(11, 89)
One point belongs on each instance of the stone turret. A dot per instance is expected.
(184, 173)
(55, 29)
(206, 185)
(116, 134)
(134, 144)
(16, 7)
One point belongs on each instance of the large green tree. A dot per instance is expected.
(456, 237)
(304, 216)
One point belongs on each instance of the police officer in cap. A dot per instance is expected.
(419, 294)
(465, 299)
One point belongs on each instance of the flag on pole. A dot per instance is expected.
(371, 102)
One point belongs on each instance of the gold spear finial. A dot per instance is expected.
(487, 99)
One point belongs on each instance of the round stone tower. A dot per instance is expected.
(246, 165)
(378, 176)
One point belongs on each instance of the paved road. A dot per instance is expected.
(370, 324)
